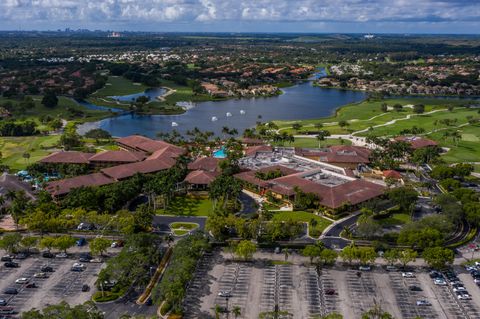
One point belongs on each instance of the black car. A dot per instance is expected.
(31, 285)
(21, 256)
(46, 269)
(85, 288)
(6, 258)
(47, 254)
(414, 288)
(3, 302)
(84, 260)
(11, 264)
(149, 302)
(11, 291)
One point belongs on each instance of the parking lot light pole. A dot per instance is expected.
(226, 305)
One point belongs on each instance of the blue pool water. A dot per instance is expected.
(220, 153)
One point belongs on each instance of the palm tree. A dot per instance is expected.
(286, 252)
(236, 311)
(217, 310)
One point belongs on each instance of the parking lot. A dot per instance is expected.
(62, 284)
(298, 291)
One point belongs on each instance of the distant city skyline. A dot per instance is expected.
(306, 16)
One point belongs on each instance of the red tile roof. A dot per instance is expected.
(209, 164)
(148, 145)
(169, 151)
(64, 186)
(118, 156)
(392, 174)
(253, 150)
(201, 177)
(146, 167)
(67, 158)
(252, 141)
(249, 177)
(351, 192)
(416, 142)
(338, 154)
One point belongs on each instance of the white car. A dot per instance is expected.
(365, 268)
(440, 282)
(459, 288)
(408, 275)
(40, 275)
(464, 297)
(96, 260)
(61, 255)
(21, 280)
(423, 303)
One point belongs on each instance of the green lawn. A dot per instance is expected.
(13, 148)
(313, 143)
(188, 206)
(394, 219)
(301, 216)
(118, 85)
(66, 109)
(364, 114)
(465, 150)
(188, 226)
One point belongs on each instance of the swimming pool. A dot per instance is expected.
(220, 153)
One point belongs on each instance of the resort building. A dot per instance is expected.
(280, 173)
(416, 142)
(140, 155)
(341, 155)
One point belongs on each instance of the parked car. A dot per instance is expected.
(365, 268)
(22, 280)
(11, 264)
(85, 288)
(414, 288)
(47, 254)
(408, 275)
(464, 296)
(423, 303)
(330, 292)
(149, 302)
(225, 294)
(21, 256)
(78, 267)
(96, 260)
(435, 274)
(31, 285)
(84, 260)
(440, 282)
(391, 268)
(61, 255)
(85, 226)
(81, 241)
(40, 275)
(10, 291)
(3, 302)
(6, 258)
(46, 269)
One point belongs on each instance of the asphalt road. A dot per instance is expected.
(126, 305)
(161, 222)
(332, 238)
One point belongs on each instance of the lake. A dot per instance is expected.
(301, 101)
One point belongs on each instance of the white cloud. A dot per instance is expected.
(132, 12)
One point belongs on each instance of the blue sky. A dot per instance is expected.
(376, 16)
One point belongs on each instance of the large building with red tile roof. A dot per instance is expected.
(341, 155)
(336, 186)
(209, 164)
(140, 155)
(67, 157)
(64, 186)
(416, 142)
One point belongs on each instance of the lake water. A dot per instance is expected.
(152, 94)
(302, 101)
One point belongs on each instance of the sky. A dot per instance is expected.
(308, 16)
